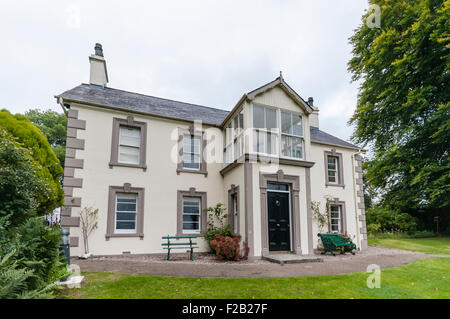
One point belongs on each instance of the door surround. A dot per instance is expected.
(294, 183)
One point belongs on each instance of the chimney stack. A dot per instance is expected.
(98, 73)
(314, 116)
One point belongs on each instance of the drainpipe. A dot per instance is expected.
(60, 102)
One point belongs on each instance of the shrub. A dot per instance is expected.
(40, 250)
(229, 248)
(88, 221)
(373, 228)
(30, 259)
(217, 224)
(390, 220)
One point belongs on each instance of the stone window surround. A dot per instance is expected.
(203, 200)
(128, 122)
(294, 182)
(127, 189)
(340, 168)
(193, 132)
(337, 202)
(234, 191)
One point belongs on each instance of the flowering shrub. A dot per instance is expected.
(229, 248)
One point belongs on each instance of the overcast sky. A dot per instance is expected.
(202, 52)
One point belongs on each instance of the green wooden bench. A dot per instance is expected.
(334, 242)
(177, 245)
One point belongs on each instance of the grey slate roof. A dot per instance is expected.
(168, 108)
(144, 103)
(322, 137)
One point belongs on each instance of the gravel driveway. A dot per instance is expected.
(207, 265)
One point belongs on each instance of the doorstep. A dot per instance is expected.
(291, 258)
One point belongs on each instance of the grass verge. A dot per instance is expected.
(427, 278)
(433, 245)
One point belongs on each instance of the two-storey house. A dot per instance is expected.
(152, 166)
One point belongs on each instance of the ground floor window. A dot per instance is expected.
(191, 214)
(126, 211)
(336, 218)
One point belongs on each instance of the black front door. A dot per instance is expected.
(278, 213)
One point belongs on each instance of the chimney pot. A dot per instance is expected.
(98, 49)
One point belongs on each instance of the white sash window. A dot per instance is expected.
(291, 135)
(191, 215)
(126, 210)
(129, 145)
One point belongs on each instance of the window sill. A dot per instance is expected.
(181, 170)
(338, 185)
(108, 236)
(143, 166)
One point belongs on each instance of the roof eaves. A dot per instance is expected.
(337, 145)
(132, 111)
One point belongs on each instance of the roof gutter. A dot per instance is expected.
(342, 146)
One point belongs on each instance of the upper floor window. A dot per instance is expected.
(291, 135)
(238, 133)
(129, 142)
(334, 169)
(265, 126)
(191, 146)
(227, 148)
(233, 141)
(191, 152)
(333, 177)
(129, 145)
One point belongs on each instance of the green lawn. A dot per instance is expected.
(434, 245)
(428, 278)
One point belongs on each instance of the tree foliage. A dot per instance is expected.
(46, 166)
(20, 185)
(54, 127)
(403, 109)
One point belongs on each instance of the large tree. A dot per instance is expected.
(54, 126)
(47, 168)
(403, 108)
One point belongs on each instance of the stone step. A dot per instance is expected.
(291, 258)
